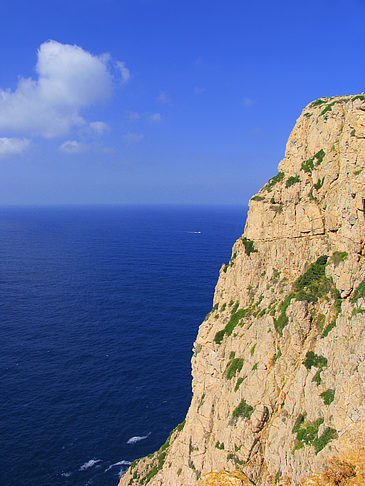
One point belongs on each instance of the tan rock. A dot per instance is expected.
(278, 377)
(224, 478)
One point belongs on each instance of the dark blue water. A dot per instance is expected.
(99, 308)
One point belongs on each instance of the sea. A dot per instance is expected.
(99, 309)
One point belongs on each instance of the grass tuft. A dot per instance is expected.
(328, 396)
(242, 410)
(234, 367)
(292, 180)
(249, 246)
(274, 180)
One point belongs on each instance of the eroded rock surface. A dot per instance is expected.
(278, 367)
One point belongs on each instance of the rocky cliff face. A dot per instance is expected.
(278, 370)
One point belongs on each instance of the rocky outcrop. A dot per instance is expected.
(278, 364)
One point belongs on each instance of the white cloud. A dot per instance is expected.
(123, 71)
(13, 146)
(154, 118)
(131, 137)
(248, 102)
(73, 147)
(99, 127)
(163, 97)
(68, 79)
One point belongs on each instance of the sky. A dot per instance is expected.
(162, 101)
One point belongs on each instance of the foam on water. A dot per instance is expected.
(120, 463)
(138, 438)
(89, 464)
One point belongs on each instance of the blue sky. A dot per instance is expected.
(161, 101)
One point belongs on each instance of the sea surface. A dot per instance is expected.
(99, 308)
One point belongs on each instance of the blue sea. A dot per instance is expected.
(99, 308)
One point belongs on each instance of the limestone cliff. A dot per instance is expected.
(278, 370)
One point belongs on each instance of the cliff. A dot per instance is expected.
(278, 370)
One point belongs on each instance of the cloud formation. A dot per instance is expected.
(99, 127)
(68, 80)
(73, 147)
(13, 146)
(123, 71)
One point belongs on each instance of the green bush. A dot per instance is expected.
(315, 360)
(283, 320)
(317, 377)
(274, 180)
(316, 160)
(218, 338)
(234, 367)
(313, 283)
(249, 246)
(318, 102)
(329, 107)
(358, 97)
(329, 328)
(328, 396)
(321, 442)
(307, 434)
(243, 410)
(231, 262)
(292, 180)
(319, 184)
(359, 292)
(238, 384)
(236, 316)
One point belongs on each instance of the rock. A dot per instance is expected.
(278, 377)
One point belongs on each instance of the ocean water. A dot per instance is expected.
(99, 308)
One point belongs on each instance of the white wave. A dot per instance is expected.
(137, 438)
(122, 471)
(120, 463)
(195, 232)
(89, 464)
(66, 474)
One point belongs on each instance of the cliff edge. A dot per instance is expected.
(278, 364)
